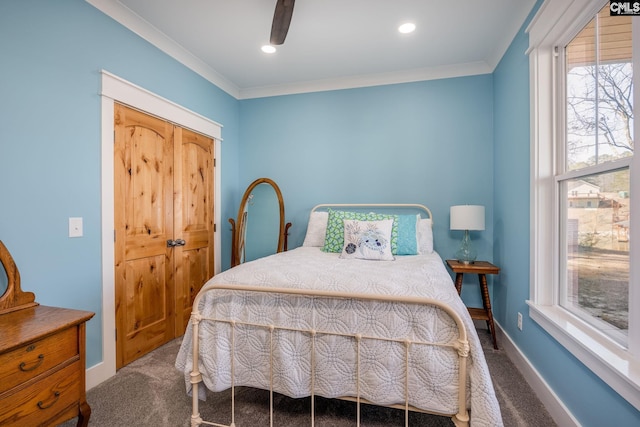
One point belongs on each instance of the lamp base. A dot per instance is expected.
(467, 253)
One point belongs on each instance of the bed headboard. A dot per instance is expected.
(319, 225)
(390, 207)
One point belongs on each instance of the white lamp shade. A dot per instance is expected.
(467, 217)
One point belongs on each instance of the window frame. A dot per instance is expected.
(556, 23)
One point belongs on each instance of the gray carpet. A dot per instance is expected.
(151, 392)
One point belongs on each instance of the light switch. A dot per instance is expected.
(75, 227)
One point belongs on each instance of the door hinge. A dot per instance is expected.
(214, 163)
(114, 236)
(215, 228)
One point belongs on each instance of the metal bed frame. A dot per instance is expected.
(460, 345)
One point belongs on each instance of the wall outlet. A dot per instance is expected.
(519, 320)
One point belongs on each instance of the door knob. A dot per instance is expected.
(177, 242)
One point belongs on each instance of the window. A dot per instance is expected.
(597, 76)
(582, 280)
(596, 72)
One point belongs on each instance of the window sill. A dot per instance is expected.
(608, 360)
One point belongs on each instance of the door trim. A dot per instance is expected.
(114, 89)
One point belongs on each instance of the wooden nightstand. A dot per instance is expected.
(481, 268)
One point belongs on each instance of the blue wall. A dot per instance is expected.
(590, 400)
(427, 142)
(51, 56)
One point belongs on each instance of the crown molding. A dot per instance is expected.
(129, 19)
(368, 80)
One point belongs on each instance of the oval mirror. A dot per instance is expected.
(260, 228)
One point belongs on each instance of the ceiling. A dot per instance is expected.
(331, 44)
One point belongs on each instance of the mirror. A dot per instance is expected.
(260, 229)
(4, 280)
(12, 298)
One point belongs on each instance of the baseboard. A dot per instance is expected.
(98, 374)
(556, 408)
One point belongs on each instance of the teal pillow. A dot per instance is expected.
(407, 243)
(334, 239)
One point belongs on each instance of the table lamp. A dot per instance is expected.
(467, 217)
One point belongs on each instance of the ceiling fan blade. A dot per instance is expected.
(281, 21)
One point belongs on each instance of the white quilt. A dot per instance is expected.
(433, 369)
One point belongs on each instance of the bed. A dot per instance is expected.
(314, 321)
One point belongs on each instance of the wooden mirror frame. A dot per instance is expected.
(238, 229)
(13, 298)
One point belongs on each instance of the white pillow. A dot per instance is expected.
(367, 240)
(316, 229)
(425, 236)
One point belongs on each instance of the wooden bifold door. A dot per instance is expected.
(163, 189)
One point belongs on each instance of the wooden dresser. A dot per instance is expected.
(42, 367)
(42, 358)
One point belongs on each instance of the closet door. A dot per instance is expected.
(193, 219)
(163, 229)
(143, 217)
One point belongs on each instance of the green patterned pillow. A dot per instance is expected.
(334, 239)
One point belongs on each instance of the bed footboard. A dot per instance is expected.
(460, 345)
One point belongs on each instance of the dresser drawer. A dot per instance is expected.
(43, 400)
(30, 360)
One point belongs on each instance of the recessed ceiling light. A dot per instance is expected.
(407, 28)
(268, 48)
